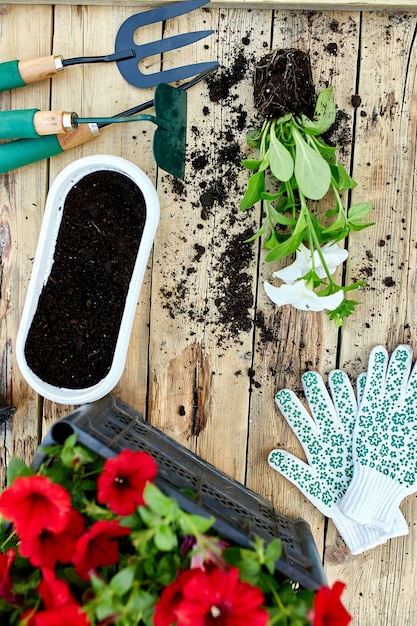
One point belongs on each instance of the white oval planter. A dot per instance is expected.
(44, 260)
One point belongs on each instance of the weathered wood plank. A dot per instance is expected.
(385, 167)
(284, 5)
(22, 196)
(100, 90)
(290, 342)
(200, 342)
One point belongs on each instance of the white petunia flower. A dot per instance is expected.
(333, 256)
(302, 298)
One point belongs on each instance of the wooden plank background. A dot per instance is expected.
(206, 379)
(315, 5)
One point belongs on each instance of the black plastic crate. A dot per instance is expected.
(108, 426)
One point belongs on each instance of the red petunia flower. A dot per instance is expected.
(170, 598)
(123, 480)
(67, 615)
(328, 609)
(216, 597)
(54, 591)
(6, 587)
(45, 549)
(98, 546)
(60, 607)
(34, 504)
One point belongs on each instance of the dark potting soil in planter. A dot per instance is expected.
(284, 84)
(73, 335)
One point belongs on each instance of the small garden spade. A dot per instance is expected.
(43, 134)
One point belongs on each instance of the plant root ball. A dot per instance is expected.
(284, 84)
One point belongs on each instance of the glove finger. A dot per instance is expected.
(344, 401)
(303, 477)
(397, 376)
(360, 387)
(300, 422)
(319, 400)
(332, 449)
(410, 399)
(374, 386)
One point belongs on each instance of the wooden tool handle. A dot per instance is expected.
(21, 152)
(38, 69)
(54, 122)
(84, 133)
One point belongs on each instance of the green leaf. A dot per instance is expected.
(271, 240)
(253, 138)
(16, 468)
(165, 539)
(143, 604)
(345, 308)
(249, 569)
(121, 583)
(359, 226)
(338, 224)
(190, 524)
(311, 171)
(282, 219)
(281, 121)
(327, 152)
(158, 502)
(325, 111)
(280, 160)
(251, 164)
(285, 248)
(359, 211)
(272, 554)
(344, 181)
(265, 195)
(336, 235)
(256, 185)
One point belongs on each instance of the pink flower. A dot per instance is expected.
(123, 480)
(98, 546)
(209, 555)
(34, 504)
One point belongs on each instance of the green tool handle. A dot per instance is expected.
(20, 73)
(24, 151)
(18, 124)
(32, 123)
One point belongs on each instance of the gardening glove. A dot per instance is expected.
(384, 440)
(327, 442)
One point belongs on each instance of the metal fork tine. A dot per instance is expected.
(169, 43)
(125, 41)
(137, 79)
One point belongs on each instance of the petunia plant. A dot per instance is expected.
(296, 168)
(91, 542)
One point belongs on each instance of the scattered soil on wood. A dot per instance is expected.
(214, 187)
(73, 335)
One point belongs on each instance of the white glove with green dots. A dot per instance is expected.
(326, 438)
(384, 440)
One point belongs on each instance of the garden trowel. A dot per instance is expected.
(42, 139)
